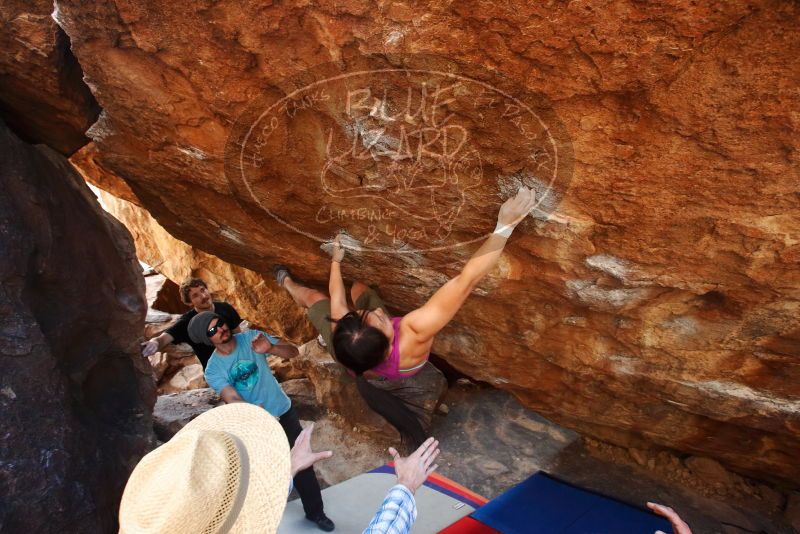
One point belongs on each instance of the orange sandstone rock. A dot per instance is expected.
(93, 172)
(255, 296)
(42, 94)
(653, 299)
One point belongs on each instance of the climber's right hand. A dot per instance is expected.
(517, 207)
(149, 348)
(337, 254)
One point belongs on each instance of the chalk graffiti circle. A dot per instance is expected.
(405, 159)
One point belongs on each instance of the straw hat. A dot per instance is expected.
(226, 471)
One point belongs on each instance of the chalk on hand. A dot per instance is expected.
(350, 243)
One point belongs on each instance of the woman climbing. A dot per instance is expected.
(385, 352)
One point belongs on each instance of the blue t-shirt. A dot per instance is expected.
(249, 374)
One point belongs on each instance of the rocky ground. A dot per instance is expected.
(490, 442)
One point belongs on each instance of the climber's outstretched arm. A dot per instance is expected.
(428, 320)
(336, 284)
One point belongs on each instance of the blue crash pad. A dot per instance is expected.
(545, 505)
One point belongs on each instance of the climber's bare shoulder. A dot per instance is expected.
(414, 348)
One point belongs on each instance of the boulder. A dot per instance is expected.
(772, 499)
(168, 298)
(43, 97)
(792, 512)
(179, 357)
(284, 369)
(255, 296)
(653, 295)
(97, 175)
(157, 322)
(160, 362)
(76, 396)
(163, 295)
(189, 377)
(173, 411)
(639, 456)
(709, 470)
(304, 400)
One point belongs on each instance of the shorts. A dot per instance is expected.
(320, 312)
(420, 392)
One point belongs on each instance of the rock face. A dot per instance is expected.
(255, 296)
(173, 411)
(168, 298)
(654, 296)
(189, 377)
(793, 510)
(335, 390)
(42, 94)
(94, 173)
(75, 395)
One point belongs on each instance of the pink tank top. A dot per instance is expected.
(390, 368)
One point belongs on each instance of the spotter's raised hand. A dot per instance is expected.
(261, 344)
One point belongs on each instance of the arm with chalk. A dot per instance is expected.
(335, 283)
(425, 322)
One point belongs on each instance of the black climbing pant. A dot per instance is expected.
(305, 482)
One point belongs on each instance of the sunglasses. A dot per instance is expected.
(214, 329)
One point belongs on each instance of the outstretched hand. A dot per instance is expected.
(261, 344)
(301, 454)
(679, 526)
(415, 469)
(337, 254)
(517, 207)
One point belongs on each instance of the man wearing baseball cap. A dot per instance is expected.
(229, 470)
(238, 371)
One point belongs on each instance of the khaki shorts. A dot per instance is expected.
(319, 314)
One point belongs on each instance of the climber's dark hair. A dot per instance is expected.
(358, 346)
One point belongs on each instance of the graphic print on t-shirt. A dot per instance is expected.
(243, 374)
